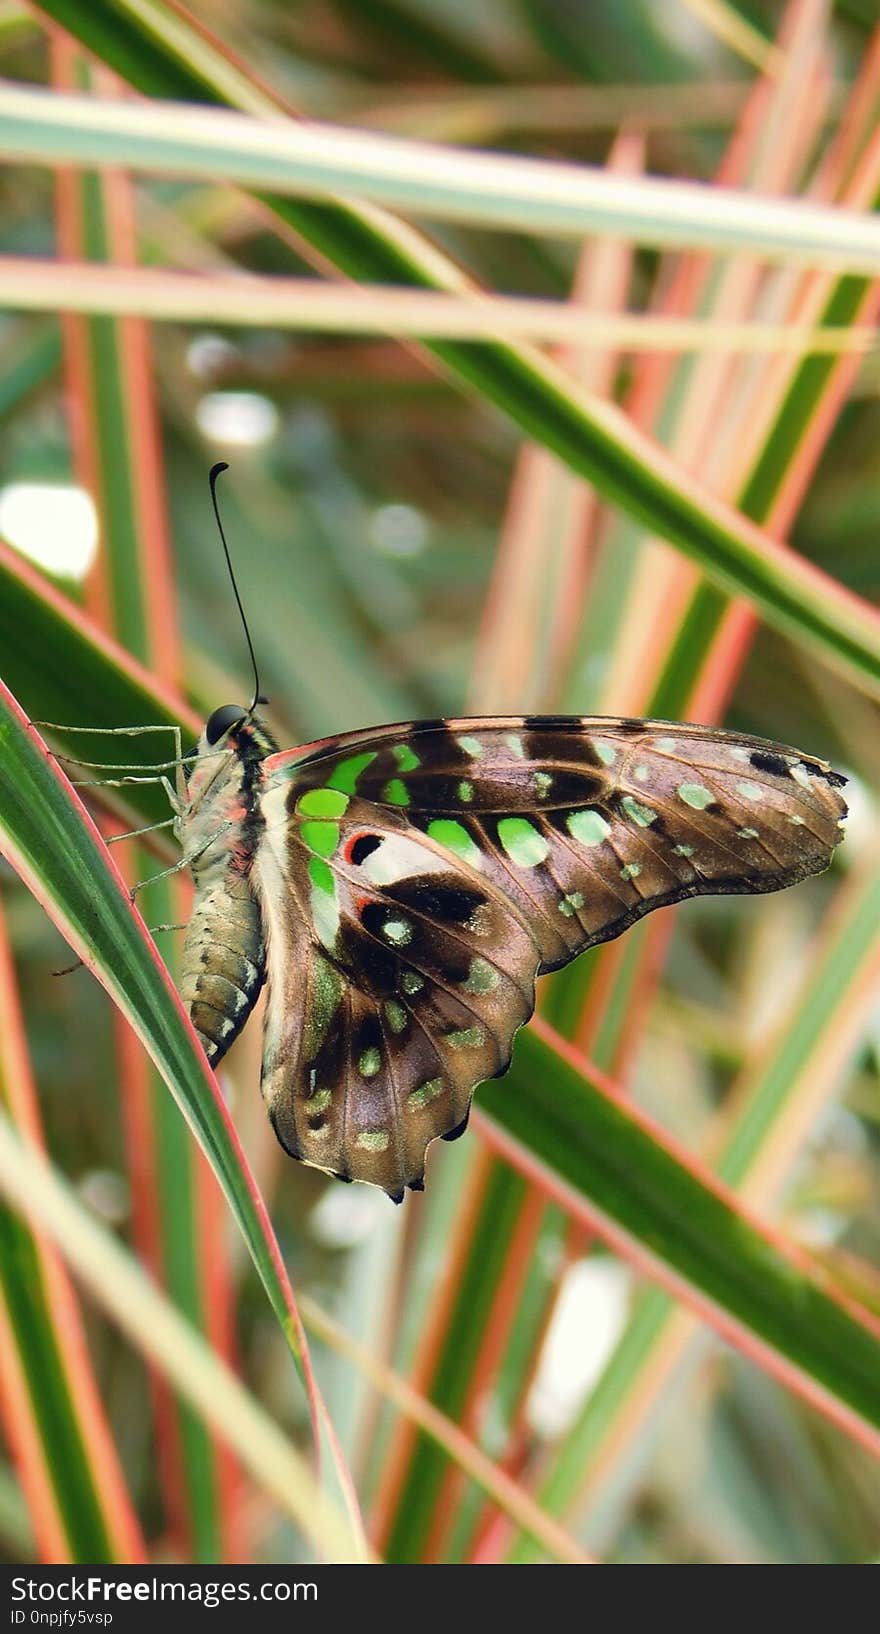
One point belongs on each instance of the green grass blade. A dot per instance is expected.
(52, 1407)
(318, 161)
(666, 1213)
(461, 1342)
(27, 1309)
(139, 1307)
(845, 962)
(46, 835)
(593, 438)
(119, 425)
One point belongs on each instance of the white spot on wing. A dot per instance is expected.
(400, 858)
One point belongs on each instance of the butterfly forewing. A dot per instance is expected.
(414, 880)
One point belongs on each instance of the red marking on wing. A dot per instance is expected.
(351, 842)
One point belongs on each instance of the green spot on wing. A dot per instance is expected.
(606, 754)
(320, 1101)
(589, 827)
(326, 992)
(325, 904)
(406, 757)
(344, 776)
(398, 931)
(525, 846)
(695, 795)
(426, 1092)
(321, 876)
(395, 793)
(321, 837)
(455, 837)
(395, 1015)
(482, 977)
(466, 1038)
(373, 1140)
(465, 791)
(369, 1063)
(471, 746)
(643, 815)
(322, 803)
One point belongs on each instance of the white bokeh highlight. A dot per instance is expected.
(52, 524)
(592, 1307)
(241, 419)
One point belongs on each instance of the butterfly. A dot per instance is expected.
(399, 891)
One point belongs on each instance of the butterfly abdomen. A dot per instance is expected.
(224, 962)
(224, 954)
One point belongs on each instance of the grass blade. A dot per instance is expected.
(595, 439)
(152, 1322)
(47, 836)
(317, 162)
(659, 1208)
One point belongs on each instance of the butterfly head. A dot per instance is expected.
(223, 721)
(235, 730)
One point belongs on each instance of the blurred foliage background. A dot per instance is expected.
(403, 552)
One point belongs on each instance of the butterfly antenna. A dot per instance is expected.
(216, 471)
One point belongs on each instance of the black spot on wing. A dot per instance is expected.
(456, 974)
(572, 788)
(452, 904)
(369, 1034)
(835, 779)
(374, 966)
(433, 791)
(545, 748)
(363, 847)
(764, 760)
(550, 723)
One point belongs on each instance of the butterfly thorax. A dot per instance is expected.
(218, 827)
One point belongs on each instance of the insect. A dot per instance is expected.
(398, 891)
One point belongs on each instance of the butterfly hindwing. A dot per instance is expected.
(414, 881)
(399, 981)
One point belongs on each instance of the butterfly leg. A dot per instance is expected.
(154, 930)
(135, 833)
(183, 862)
(175, 796)
(123, 782)
(109, 731)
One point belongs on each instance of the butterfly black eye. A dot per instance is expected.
(223, 720)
